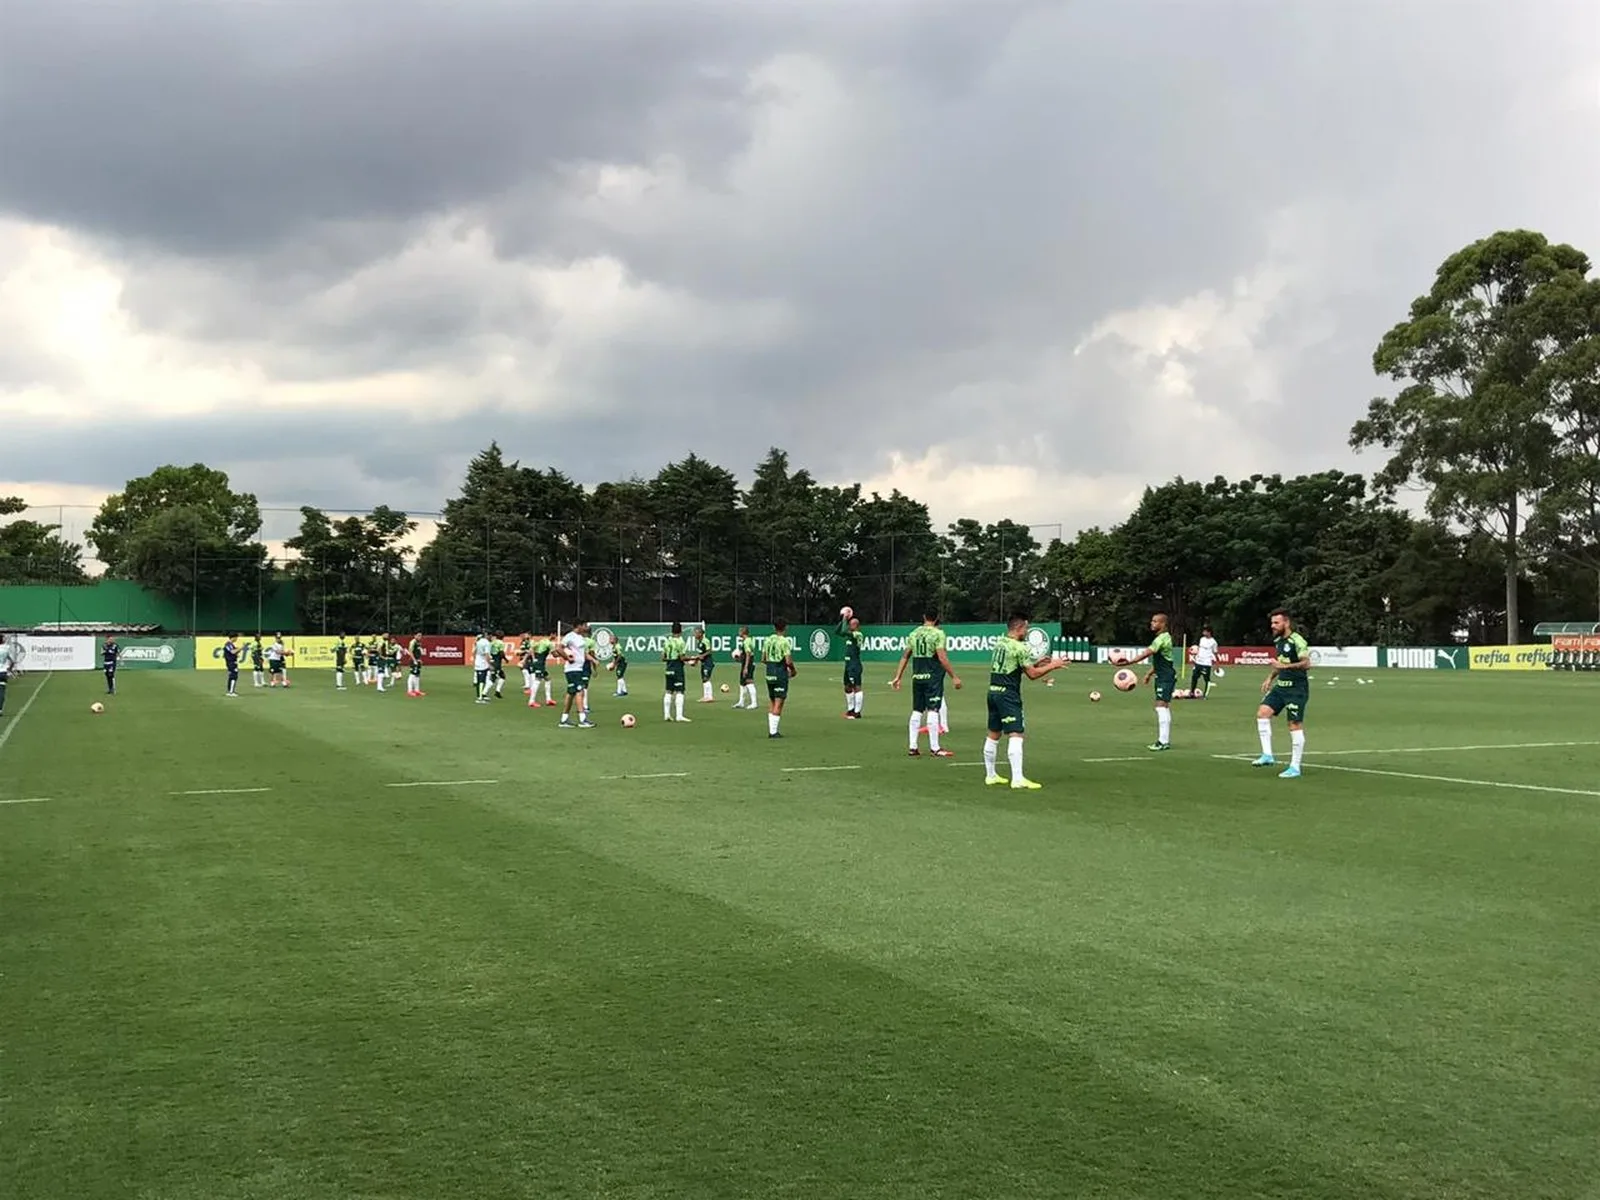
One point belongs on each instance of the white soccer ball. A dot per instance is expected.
(1094, 697)
(725, 689)
(97, 707)
(846, 613)
(627, 721)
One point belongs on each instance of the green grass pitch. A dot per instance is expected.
(1170, 977)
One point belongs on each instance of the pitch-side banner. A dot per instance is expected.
(156, 654)
(46, 653)
(1575, 641)
(1344, 656)
(1426, 658)
(1510, 658)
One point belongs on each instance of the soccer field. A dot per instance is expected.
(322, 944)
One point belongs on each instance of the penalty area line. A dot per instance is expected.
(656, 775)
(1485, 783)
(5, 734)
(29, 800)
(798, 770)
(221, 792)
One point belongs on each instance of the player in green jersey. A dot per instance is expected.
(1012, 660)
(674, 654)
(619, 663)
(414, 678)
(497, 664)
(258, 661)
(1163, 673)
(854, 640)
(746, 651)
(777, 654)
(341, 654)
(358, 661)
(1287, 690)
(708, 664)
(930, 664)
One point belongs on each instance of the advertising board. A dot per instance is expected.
(43, 652)
(1510, 658)
(1425, 658)
(156, 654)
(1344, 656)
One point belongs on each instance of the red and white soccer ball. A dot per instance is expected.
(846, 613)
(1125, 680)
(627, 721)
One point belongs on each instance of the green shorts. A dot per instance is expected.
(778, 683)
(1164, 687)
(575, 682)
(621, 667)
(675, 677)
(852, 676)
(706, 668)
(1290, 701)
(1005, 713)
(927, 694)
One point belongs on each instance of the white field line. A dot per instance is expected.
(221, 792)
(32, 800)
(444, 783)
(1129, 758)
(5, 734)
(1454, 749)
(657, 775)
(1488, 783)
(796, 770)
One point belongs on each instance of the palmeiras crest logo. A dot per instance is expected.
(821, 643)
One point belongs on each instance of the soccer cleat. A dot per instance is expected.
(995, 781)
(1025, 785)
(587, 724)
(914, 752)
(1266, 760)
(1159, 746)
(1290, 773)
(774, 735)
(943, 753)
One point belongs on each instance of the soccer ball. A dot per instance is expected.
(627, 721)
(1094, 697)
(1125, 680)
(97, 707)
(725, 689)
(846, 613)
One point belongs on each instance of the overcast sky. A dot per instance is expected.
(1017, 258)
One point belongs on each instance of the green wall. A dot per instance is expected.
(116, 601)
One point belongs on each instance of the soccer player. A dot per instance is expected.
(8, 659)
(358, 661)
(1012, 660)
(619, 664)
(925, 651)
(482, 653)
(414, 680)
(674, 654)
(777, 652)
(109, 654)
(230, 659)
(1287, 690)
(543, 645)
(277, 658)
(850, 631)
(575, 648)
(708, 664)
(497, 657)
(258, 662)
(1205, 657)
(341, 654)
(746, 654)
(591, 659)
(1164, 671)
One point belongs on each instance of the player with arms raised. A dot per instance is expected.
(674, 654)
(1164, 672)
(925, 651)
(1012, 660)
(854, 640)
(1286, 690)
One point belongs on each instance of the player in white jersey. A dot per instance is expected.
(1205, 657)
(481, 651)
(575, 649)
(8, 659)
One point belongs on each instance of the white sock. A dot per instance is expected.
(666, 706)
(753, 702)
(933, 733)
(547, 698)
(705, 690)
(860, 696)
(772, 722)
(1264, 728)
(944, 714)
(916, 727)
(338, 679)
(677, 700)
(991, 753)
(1014, 754)
(1297, 746)
(1164, 725)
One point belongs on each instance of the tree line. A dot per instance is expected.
(1496, 419)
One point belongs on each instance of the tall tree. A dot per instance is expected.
(351, 572)
(34, 551)
(990, 571)
(182, 531)
(894, 564)
(695, 505)
(1472, 422)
